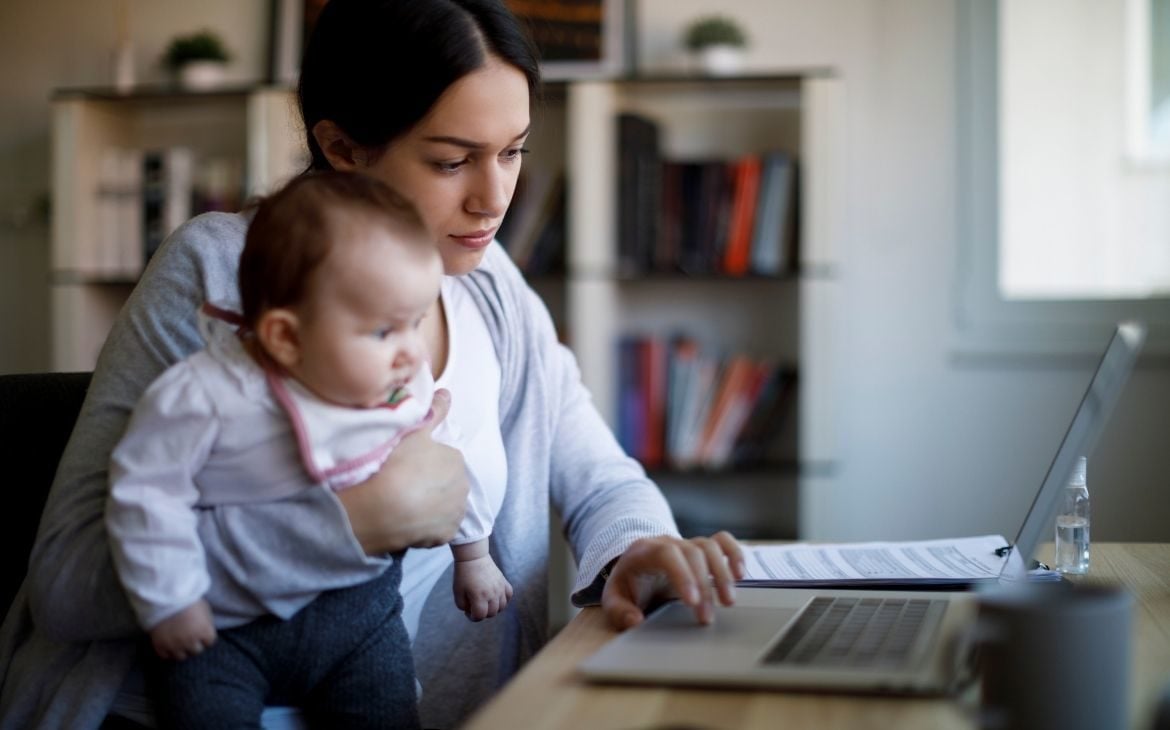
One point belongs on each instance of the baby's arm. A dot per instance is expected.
(185, 634)
(150, 517)
(481, 591)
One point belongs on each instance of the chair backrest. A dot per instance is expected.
(37, 413)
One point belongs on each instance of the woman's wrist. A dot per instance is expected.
(366, 504)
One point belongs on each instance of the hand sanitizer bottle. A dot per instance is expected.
(1072, 523)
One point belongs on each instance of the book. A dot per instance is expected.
(694, 410)
(631, 398)
(719, 417)
(652, 356)
(773, 407)
(167, 190)
(536, 203)
(639, 182)
(116, 248)
(737, 254)
(682, 369)
(771, 246)
(742, 400)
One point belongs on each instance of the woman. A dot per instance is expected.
(432, 97)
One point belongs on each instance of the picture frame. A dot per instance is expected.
(579, 39)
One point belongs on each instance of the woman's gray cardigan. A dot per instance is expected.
(66, 643)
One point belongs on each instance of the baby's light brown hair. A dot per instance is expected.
(295, 228)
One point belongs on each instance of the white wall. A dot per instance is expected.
(930, 446)
(50, 44)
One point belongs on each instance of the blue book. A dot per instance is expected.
(770, 247)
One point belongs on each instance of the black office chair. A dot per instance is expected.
(37, 413)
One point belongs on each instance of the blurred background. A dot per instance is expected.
(849, 284)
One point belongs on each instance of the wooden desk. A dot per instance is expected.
(548, 693)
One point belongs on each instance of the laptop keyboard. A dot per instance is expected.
(856, 632)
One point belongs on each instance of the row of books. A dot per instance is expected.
(141, 196)
(683, 407)
(533, 232)
(730, 217)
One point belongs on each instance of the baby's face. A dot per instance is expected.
(359, 331)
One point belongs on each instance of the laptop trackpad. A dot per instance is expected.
(672, 644)
(737, 625)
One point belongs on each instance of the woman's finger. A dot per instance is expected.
(720, 570)
(700, 571)
(734, 552)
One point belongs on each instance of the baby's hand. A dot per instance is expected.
(481, 591)
(185, 634)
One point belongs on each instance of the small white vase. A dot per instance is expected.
(720, 60)
(123, 67)
(201, 75)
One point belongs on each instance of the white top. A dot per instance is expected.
(473, 427)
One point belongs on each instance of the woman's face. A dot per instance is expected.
(459, 164)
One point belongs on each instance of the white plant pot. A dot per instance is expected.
(201, 75)
(720, 60)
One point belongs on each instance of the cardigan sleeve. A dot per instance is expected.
(604, 496)
(74, 594)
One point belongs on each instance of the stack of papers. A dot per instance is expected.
(925, 563)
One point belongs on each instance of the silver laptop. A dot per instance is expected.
(853, 640)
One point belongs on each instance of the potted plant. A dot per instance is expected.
(717, 42)
(197, 60)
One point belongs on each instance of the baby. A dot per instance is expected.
(317, 381)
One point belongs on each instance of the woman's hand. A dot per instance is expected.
(694, 570)
(418, 497)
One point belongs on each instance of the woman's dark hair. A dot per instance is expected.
(376, 67)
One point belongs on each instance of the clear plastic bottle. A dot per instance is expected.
(1072, 523)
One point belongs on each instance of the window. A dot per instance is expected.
(1064, 218)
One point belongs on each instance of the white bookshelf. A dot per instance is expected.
(258, 128)
(789, 318)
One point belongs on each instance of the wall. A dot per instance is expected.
(50, 44)
(931, 445)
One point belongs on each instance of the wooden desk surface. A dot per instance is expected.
(548, 693)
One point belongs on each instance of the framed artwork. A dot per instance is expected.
(577, 38)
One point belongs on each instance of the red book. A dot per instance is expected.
(653, 362)
(735, 378)
(738, 253)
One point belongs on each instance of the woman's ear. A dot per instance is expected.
(342, 152)
(279, 336)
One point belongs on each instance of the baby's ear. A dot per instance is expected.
(279, 334)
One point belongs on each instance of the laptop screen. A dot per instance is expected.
(1101, 396)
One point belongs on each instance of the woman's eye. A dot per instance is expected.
(516, 153)
(450, 166)
(384, 333)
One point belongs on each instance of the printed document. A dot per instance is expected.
(925, 562)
